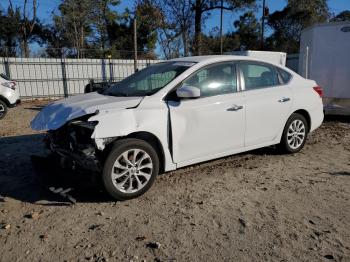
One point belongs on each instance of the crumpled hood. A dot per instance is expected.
(58, 113)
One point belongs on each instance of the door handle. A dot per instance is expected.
(284, 99)
(235, 108)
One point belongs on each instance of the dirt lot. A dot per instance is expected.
(257, 206)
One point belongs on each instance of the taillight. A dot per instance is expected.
(319, 90)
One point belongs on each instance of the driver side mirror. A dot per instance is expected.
(188, 92)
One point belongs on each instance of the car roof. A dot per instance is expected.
(213, 58)
(205, 60)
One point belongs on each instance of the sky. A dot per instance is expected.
(46, 7)
(336, 6)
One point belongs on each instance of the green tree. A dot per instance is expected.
(248, 31)
(19, 27)
(9, 24)
(286, 30)
(342, 16)
(170, 43)
(74, 22)
(288, 23)
(120, 34)
(149, 19)
(202, 7)
(24, 17)
(54, 39)
(179, 18)
(120, 31)
(211, 42)
(317, 10)
(102, 17)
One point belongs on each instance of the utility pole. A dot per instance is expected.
(135, 45)
(264, 13)
(221, 17)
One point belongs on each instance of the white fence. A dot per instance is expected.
(51, 77)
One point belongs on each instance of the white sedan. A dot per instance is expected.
(178, 113)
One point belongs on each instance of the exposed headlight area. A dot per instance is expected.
(85, 124)
(74, 144)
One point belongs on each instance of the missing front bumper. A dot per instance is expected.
(77, 157)
(74, 160)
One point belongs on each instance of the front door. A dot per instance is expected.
(209, 126)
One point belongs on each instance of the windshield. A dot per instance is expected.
(149, 80)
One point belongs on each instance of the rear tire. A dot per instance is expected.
(130, 169)
(294, 134)
(3, 109)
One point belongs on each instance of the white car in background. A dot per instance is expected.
(178, 113)
(9, 95)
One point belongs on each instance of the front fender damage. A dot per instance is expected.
(112, 125)
(102, 142)
(81, 142)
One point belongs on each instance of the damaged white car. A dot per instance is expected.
(180, 112)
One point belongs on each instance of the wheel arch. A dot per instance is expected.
(149, 138)
(302, 112)
(306, 115)
(4, 99)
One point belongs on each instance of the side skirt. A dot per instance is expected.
(223, 154)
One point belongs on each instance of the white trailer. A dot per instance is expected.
(278, 58)
(325, 58)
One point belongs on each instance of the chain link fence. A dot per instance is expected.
(49, 78)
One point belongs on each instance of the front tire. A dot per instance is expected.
(294, 134)
(3, 109)
(130, 169)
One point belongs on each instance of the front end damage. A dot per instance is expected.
(82, 129)
(73, 144)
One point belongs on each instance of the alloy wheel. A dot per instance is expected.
(296, 134)
(2, 110)
(132, 170)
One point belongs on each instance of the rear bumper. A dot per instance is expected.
(317, 117)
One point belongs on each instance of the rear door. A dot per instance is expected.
(207, 127)
(268, 102)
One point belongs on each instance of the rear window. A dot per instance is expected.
(285, 76)
(258, 75)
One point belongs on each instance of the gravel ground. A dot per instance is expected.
(256, 206)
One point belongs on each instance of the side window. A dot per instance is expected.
(214, 80)
(258, 76)
(284, 75)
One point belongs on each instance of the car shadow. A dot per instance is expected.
(337, 118)
(27, 175)
(271, 150)
(341, 173)
(35, 108)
